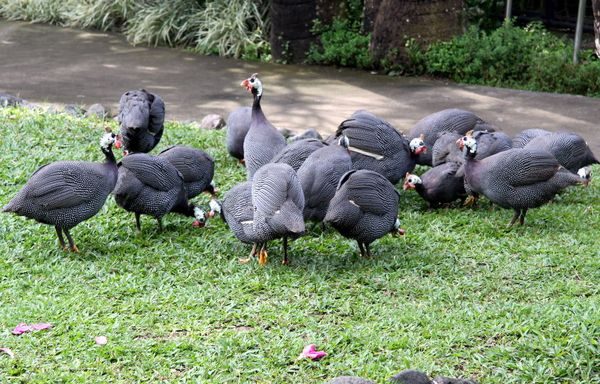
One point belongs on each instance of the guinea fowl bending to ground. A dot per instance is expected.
(196, 167)
(522, 138)
(142, 117)
(447, 120)
(375, 145)
(297, 152)
(238, 124)
(263, 141)
(364, 208)
(278, 203)
(65, 193)
(238, 213)
(518, 178)
(570, 149)
(319, 177)
(150, 185)
(439, 185)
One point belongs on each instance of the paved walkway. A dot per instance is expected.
(43, 63)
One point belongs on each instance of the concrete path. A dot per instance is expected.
(43, 63)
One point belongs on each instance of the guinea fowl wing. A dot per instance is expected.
(521, 167)
(367, 191)
(157, 114)
(368, 133)
(62, 185)
(146, 168)
(186, 162)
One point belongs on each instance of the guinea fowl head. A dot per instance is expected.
(343, 141)
(417, 145)
(107, 140)
(468, 144)
(410, 181)
(397, 230)
(253, 85)
(200, 217)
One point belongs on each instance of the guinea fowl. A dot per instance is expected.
(142, 117)
(297, 152)
(522, 138)
(196, 167)
(65, 193)
(310, 133)
(151, 185)
(447, 120)
(488, 143)
(278, 203)
(238, 213)
(319, 177)
(238, 124)
(364, 208)
(518, 178)
(570, 149)
(439, 185)
(263, 141)
(375, 145)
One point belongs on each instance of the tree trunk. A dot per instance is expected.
(394, 22)
(291, 23)
(596, 8)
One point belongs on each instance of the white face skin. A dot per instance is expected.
(199, 214)
(470, 143)
(107, 140)
(397, 224)
(414, 180)
(584, 173)
(215, 206)
(416, 143)
(344, 141)
(256, 83)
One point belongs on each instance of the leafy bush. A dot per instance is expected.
(341, 44)
(530, 58)
(237, 28)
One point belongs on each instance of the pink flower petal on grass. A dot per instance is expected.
(310, 352)
(24, 328)
(8, 352)
(101, 340)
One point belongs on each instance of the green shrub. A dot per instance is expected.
(341, 44)
(529, 58)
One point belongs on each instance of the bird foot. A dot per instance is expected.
(470, 201)
(262, 257)
(244, 260)
(74, 249)
(285, 262)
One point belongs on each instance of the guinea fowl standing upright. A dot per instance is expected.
(570, 149)
(297, 152)
(439, 185)
(238, 124)
(518, 178)
(375, 145)
(364, 208)
(152, 186)
(262, 141)
(447, 120)
(196, 167)
(142, 117)
(319, 177)
(278, 202)
(65, 193)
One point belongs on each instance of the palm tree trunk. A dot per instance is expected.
(596, 8)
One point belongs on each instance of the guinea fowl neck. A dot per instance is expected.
(109, 155)
(257, 113)
(186, 209)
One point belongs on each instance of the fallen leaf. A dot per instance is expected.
(101, 340)
(8, 352)
(310, 352)
(24, 328)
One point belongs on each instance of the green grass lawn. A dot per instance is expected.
(459, 295)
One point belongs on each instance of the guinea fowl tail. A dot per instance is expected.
(14, 205)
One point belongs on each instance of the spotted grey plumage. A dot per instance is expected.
(570, 149)
(263, 141)
(141, 118)
(518, 178)
(297, 152)
(522, 138)
(319, 177)
(196, 166)
(150, 185)
(238, 213)
(364, 208)
(375, 145)
(65, 193)
(238, 124)
(439, 185)
(310, 133)
(447, 120)
(278, 202)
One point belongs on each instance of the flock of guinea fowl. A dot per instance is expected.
(346, 180)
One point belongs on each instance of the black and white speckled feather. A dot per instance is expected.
(521, 139)
(238, 212)
(238, 124)
(439, 185)
(570, 149)
(195, 165)
(296, 153)
(141, 118)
